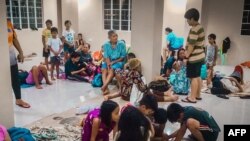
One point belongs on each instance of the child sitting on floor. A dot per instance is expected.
(100, 122)
(76, 70)
(80, 41)
(200, 123)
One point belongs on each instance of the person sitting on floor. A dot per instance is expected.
(4, 135)
(36, 75)
(74, 69)
(114, 54)
(133, 126)
(167, 68)
(88, 60)
(178, 78)
(200, 123)
(134, 76)
(100, 122)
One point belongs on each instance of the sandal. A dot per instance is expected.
(222, 96)
(187, 100)
(23, 105)
(245, 97)
(198, 98)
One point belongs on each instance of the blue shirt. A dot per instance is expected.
(119, 51)
(174, 42)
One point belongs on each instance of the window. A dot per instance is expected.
(25, 13)
(245, 27)
(117, 14)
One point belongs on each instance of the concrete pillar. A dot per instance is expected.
(6, 96)
(146, 34)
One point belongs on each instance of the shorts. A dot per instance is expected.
(46, 54)
(30, 79)
(55, 60)
(194, 69)
(210, 136)
(118, 65)
(68, 49)
(173, 49)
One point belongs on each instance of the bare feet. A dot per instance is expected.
(106, 92)
(175, 97)
(53, 78)
(22, 104)
(39, 87)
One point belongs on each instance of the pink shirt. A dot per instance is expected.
(3, 132)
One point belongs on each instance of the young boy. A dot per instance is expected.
(55, 46)
(45, 36)
(202, 126)
(195, 54)
(68, 38)
(80, 41)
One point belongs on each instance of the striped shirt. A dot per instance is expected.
(196, 38)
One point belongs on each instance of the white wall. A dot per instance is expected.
(173, 17)
(91, 24)
(227, 22)
(6, 97)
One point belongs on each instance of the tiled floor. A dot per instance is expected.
(64, 95)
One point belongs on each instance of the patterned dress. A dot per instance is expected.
(128, 79)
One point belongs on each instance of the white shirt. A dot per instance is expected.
(231, 86)
(54, 44)
(69, 35)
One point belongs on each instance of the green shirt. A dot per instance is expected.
(196, 38)
(202, 116)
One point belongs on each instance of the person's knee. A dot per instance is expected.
(34, 68)
(192, 124)
(42, 67)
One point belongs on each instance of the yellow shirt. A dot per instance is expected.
(47, 34)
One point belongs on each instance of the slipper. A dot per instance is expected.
(198, 98)
(187, 100)
(24, 105)
(245, 97)
(222, 96)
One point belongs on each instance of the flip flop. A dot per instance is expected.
(187, 100)
(245, 97)
(24, 105)
(198, 98)
(222, 96)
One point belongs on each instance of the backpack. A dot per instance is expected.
(159, 85)
(20, 134)
(97, 81)
(204, 72)
(22, 75)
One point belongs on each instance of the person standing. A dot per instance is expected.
(195, 54)
(14, 44)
